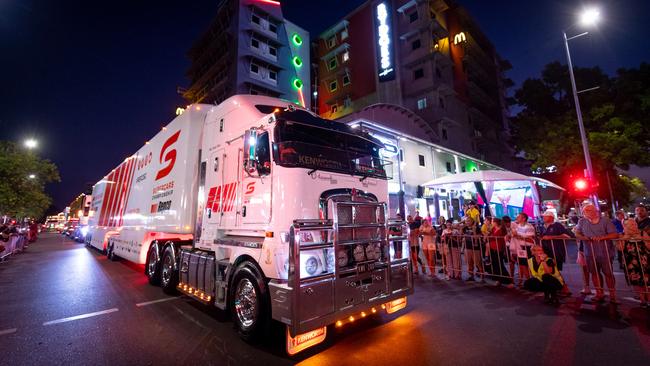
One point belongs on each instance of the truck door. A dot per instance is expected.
(215, 192)
(256, 186)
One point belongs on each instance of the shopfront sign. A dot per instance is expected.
(383, 36)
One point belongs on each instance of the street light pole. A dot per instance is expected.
(583, 135)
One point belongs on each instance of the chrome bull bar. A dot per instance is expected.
(349, 285)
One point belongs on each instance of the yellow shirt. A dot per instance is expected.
(474, 214)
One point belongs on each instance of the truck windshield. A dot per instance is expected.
(320, 147)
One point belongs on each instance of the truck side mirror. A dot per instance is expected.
(250, 150)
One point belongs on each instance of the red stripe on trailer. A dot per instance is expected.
(231, 196)
(107, 191)
(120, 197)
(225, 192)
(116, 193)
(210, 202)
(218, 199)
(128, 189)
(127, 183)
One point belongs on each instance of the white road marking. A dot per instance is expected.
(8, 331)
(632, 299)
(82, 316)
(140, 304)
(188, 317)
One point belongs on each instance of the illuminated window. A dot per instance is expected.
(416, 44)
(255, 19)
(255, 69)
(331, 42)
(333, 86)
(331, 64)
(344, 34)
(422, 103)
(345, 56)
(334, 108)
(417, 74)
(421, 160)
(413, 16)
(255, 43)
(346, 79)
(273, 51)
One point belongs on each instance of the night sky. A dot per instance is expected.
(92, 81)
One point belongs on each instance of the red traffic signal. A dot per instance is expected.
(580, 184)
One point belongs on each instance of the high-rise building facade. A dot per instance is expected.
(427, 57)
(249, 48)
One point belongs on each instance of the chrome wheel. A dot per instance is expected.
(167, 269)
(246, 302)
(152, 266)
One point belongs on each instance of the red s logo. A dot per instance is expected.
(250, 188)
(169, 157)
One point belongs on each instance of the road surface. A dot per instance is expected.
(64, 304)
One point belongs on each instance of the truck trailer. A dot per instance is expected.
(262, 209)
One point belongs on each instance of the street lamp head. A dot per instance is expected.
(590, 17)
(31, 143)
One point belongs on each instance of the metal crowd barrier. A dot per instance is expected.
(600, 266)
(14, 245)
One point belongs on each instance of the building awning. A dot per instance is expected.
(341, 48)
(334, 29)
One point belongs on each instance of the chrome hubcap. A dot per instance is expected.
(153, 262)
(167, 269)
(246, 302)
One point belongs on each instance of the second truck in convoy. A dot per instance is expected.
(263, 209)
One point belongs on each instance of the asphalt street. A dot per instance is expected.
(64, 304)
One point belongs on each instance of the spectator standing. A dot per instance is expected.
(446, 238)
(522, 236)
(511, 250)
(397, 231)
(414, 242)
(440, 245)
(473, 252)
(429, 245)
(619, 218)
(597, 233)
(637, 253)
(496, 252)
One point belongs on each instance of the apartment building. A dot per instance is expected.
(249, 48)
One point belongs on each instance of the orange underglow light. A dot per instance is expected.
(374, 310)
(339, 323)
(277, 110)
(395, 305)
(363, 314)
(268, 234)
(351, 318)
(303, 341)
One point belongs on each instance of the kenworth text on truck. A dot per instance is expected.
(262, 209)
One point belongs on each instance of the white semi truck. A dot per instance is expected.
(262, 209)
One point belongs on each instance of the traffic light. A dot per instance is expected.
(580, 184)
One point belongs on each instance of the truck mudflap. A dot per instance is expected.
(360, 269)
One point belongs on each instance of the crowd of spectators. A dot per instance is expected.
(516, 254)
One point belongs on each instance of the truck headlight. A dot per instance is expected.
(311, 265)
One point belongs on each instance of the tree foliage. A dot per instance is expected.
(20, 195)
(616, 117)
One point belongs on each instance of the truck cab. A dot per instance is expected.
(291, 223)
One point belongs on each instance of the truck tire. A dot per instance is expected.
(168, 275)
(110, 253)
(249, 302)
(152, 266)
